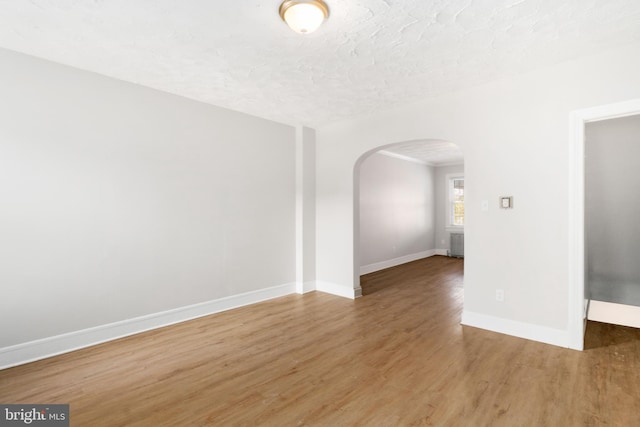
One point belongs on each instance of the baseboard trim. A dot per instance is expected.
(357, 292)
(304, 287)
(443, 252)
(514, 328)
(617, 314)
(338, 290)
(366, 269)
(52, 346)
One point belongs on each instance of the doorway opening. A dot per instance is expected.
(612, 233)
(408, 204)
(580, 260)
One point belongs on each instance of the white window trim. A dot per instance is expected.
(449, 191)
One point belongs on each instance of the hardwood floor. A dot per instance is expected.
(395, 357)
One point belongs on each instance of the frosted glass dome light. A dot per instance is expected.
(304, 16)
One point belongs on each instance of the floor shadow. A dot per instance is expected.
(602, 335)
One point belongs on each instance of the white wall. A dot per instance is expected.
(118, 201)
(442, 241)
(612, 205)
(397, 208)
(515, 137)
(305, 209)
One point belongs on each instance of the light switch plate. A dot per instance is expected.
(506, 202)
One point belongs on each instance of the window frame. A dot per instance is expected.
(450, 201)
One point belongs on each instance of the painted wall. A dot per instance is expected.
(442, 241)
(612, 208)
(118, 201)
(397, 207)
(305, 209)
(515, 136)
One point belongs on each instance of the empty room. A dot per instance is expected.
(319, 213)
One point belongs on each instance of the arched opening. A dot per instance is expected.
(408, 203)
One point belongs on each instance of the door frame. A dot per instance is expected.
(579, 119)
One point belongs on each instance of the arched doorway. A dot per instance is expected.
(404, 208)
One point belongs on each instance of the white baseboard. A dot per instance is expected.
(40, 349)
(442, 252)
(366, 269)
(617, 314)
(304, 287)
(339, 290)
(357, 292)
(514, 328)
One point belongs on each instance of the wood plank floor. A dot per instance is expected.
(395, 357)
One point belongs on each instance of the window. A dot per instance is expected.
(456, 201)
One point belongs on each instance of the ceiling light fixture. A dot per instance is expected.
(304, 16)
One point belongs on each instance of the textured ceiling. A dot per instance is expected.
(369, 55)
(432, 152)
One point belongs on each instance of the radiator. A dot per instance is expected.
(456, 244)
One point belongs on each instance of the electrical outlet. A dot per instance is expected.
(499, 295)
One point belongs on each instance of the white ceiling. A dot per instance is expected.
(369, 55)
(431, 152)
